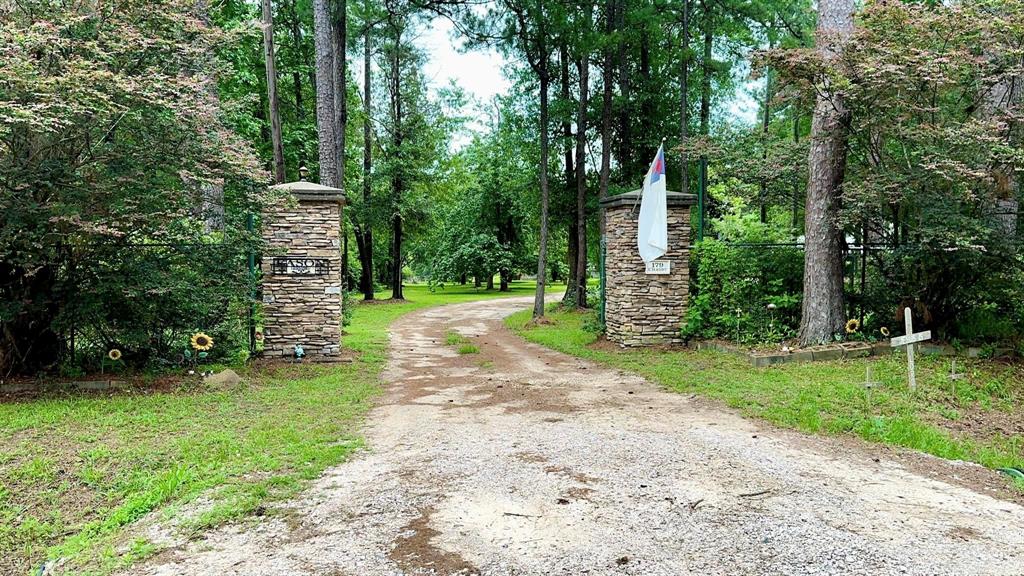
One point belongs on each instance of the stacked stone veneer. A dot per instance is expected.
(644, 309)
(303, 309)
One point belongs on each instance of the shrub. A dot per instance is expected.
(105, 239)
(750, 294)
(744, 289)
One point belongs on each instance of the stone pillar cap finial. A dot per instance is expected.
(303, 172)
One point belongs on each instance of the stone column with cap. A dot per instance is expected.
(644, 306)
(302, 272)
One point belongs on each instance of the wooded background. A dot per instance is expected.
(137, 138)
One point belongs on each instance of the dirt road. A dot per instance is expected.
(523, 461)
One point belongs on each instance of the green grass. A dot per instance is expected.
(453, 338)
(77, 471)
(827, 397)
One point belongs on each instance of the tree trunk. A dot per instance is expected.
(796, 177)
(366, 280)
(363, 236)
(583, 70)
(572, 238)
(397, 183)
(300, 110)
(490, 281)
(705, 109)
(325, 119)
(340, 28)
(823, 249)
(296, 31)
(542, 250)
(606, 109)
(275, 105)
(645, 146)
(261, 114)
(705, 69)
(999, 99)
(765, 120)
(624, 153)
(684, 104)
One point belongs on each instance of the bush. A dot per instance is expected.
(966, 296)
(743, 289)
(147, 302)
(749, 294)
(107, 239)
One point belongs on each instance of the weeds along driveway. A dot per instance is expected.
(520, 460)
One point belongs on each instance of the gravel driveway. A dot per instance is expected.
(523, 461)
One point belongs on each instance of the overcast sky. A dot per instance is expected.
(479, 72)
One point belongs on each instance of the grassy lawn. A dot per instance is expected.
(77, 470)
(980, 420)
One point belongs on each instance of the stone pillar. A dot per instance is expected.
(643, 309)
(302, 273)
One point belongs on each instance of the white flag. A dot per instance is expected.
(652, 229)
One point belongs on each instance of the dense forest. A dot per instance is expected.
(138, 139)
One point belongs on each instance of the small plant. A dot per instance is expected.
(453, 338)
(348, 307)
(592, 324)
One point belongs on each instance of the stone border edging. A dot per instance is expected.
(837, 352)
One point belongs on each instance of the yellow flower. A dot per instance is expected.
(201, 341)
(852, 325)
(884, 331)
(114, 354)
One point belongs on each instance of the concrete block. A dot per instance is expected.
(826, 354)
(765, 360)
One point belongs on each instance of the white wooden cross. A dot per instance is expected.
(954, 376)
(908, 340)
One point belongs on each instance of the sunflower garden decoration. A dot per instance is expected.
(852, 326)
(201, 343)
(113, 355)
